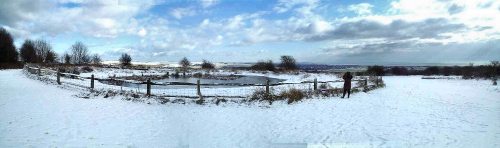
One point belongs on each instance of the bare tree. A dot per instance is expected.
(42, 48)
(184, 65)
(288, 63)
(125, 60)
(79, 53)
(96, 59)
(38, 51)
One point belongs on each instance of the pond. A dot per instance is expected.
(190, 82)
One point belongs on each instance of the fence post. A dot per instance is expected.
(148, 87)
(92, 81)
(58, 77)
(39, 71)
(267, 87)
(198, 89)
(315, 84)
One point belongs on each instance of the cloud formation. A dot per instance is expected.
(173, 29)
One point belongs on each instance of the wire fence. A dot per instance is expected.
(198, 90)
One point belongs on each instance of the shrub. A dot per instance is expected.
(363, 84)
(218, 101)
(260, 94)
(293, 95)
(200, 101)
(207, 65)
(263, 66)
(198, 75)
(324, 86)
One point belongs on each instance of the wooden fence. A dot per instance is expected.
(49, 74)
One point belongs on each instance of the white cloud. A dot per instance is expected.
(302, 5)
(179, 13)
(142, 32)
(361, 8)
(97, 18)
(208, 3)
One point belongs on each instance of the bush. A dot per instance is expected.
(260, 94)
(219, 100)
(263, 66)
(363, 84)
(198, 75)
(293, 95)
(207, 65)
(324, 86)
(200, 101)
(327, 90)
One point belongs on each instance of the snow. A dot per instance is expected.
(292, 78)
(288, 77)
(408, 112)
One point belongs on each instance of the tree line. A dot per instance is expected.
(40, 51)
(288, 63)
(467, 72)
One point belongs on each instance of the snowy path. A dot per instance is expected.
(409, 112)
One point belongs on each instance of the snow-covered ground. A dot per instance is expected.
(408, 112)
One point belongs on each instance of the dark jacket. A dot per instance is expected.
(347, 80)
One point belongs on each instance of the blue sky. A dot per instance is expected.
(329, 32)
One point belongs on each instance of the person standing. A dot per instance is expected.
(347, 84)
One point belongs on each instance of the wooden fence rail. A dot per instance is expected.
(39, 71)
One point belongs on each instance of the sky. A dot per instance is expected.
(313, 31)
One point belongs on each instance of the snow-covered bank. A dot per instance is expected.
(409, 112)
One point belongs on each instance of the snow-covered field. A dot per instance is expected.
(408, 112)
